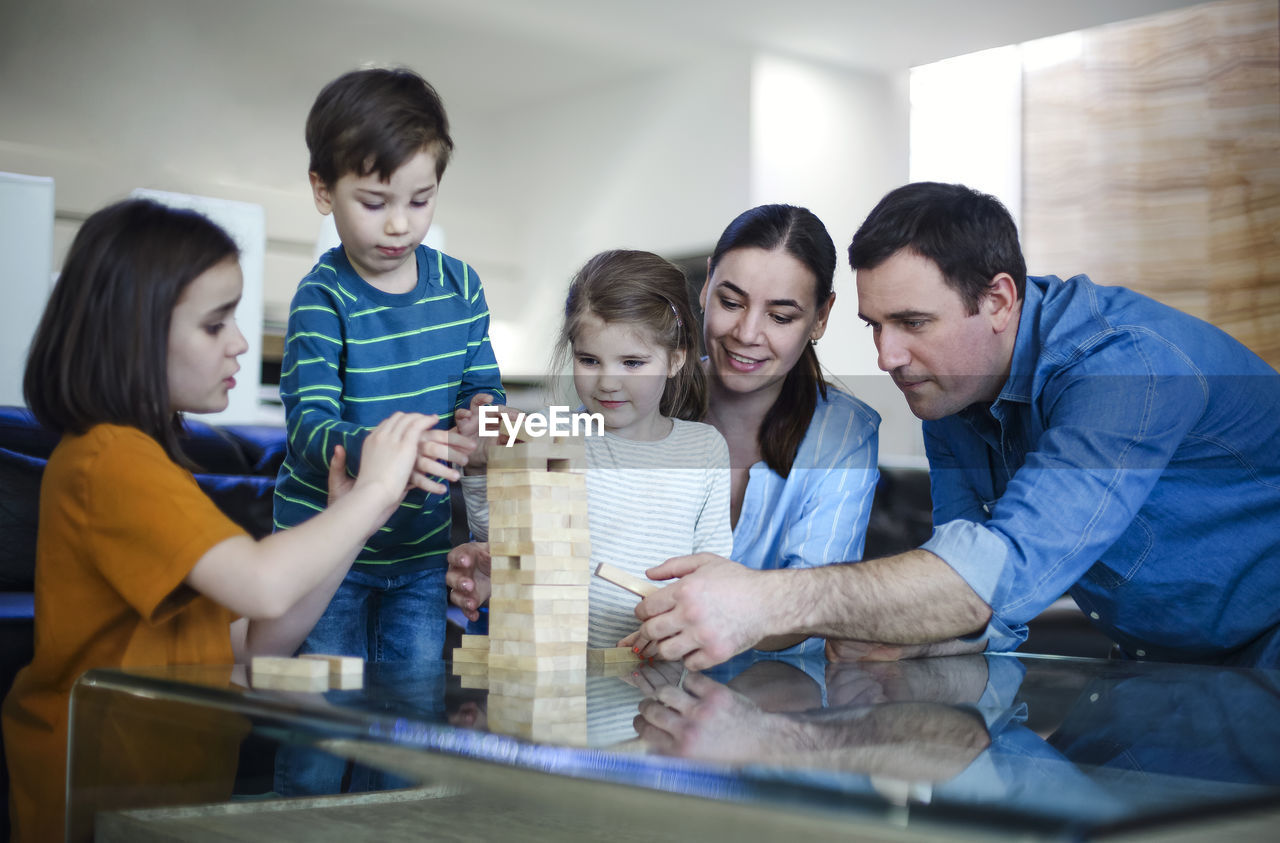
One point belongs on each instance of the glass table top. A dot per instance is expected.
(1026, 745)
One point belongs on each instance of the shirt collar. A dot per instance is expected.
(1026, 348)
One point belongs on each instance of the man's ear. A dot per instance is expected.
(1001, 302)
(824, 313)
(320, 193)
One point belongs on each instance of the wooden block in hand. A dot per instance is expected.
(597, 656)
(622, 579)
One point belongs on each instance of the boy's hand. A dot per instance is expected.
(466, 421)
(437, 449)
(468, 577)
(339, 481)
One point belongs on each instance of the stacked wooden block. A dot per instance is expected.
(540, 547)
(534, 662)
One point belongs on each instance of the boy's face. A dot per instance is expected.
(382, 222)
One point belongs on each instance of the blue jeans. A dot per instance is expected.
(384, 619)
(381, 619)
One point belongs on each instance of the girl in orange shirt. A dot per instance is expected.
(135, 565)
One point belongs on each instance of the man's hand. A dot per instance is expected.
(468, 577)
(718, 609)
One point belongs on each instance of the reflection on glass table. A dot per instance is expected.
(976, 747)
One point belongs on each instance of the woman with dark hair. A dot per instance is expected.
(803, 452)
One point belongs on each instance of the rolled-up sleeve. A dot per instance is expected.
(1106, 440)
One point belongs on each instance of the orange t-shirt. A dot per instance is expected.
(121, 526)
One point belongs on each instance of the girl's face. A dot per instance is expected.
(620, 372)
(204, 341)
(760, 312)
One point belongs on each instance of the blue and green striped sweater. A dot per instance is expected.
(354, 355)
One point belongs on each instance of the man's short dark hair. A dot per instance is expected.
(372, 121)
(969, 235)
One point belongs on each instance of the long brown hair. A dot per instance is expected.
(640, 288)
(100, 353)
(805, 238)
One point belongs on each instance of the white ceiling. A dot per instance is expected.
(129, 82)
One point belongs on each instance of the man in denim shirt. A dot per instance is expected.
(1081, 439)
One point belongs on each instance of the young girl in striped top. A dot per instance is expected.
(658, 479)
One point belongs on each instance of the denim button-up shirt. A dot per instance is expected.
(1132, 459)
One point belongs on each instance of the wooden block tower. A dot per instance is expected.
(534, 660)
(541, 554)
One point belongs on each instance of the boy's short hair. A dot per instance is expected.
(372, 121)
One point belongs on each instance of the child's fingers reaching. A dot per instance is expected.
(435, 470)
(446, 446)
(427, 483)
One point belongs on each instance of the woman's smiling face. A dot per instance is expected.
(760, 312)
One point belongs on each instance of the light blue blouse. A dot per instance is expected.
(818, 514)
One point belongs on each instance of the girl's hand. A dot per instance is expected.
(389, 460)
(436, 450)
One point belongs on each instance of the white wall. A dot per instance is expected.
(26, 259)
(659, 164)
(835, 141)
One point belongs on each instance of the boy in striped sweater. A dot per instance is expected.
(382, 323)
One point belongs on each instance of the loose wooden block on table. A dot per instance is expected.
(284, 666)
(338, 665)
(622, 579)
